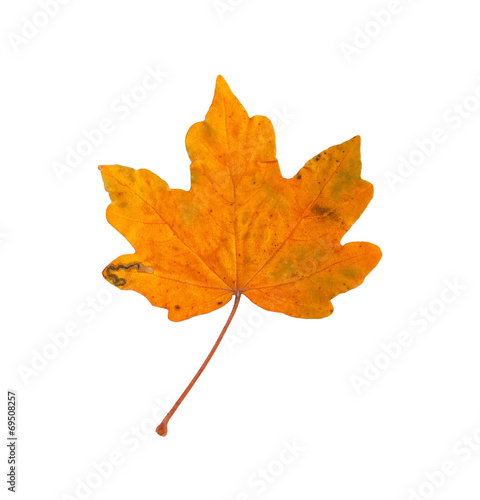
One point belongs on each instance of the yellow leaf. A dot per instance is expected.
(242, 228)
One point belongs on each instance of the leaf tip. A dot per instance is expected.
(220, 81)
(377, 251)
(221, 87)
(104, 169)
(355, 142)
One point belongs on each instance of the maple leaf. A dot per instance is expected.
(242, 228)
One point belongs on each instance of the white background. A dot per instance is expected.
(286, 380)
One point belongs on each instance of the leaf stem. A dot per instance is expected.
(162, 429)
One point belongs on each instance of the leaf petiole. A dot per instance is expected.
(162, 429)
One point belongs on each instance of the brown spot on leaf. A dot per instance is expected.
(318, 210)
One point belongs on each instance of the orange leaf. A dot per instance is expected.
(241, 228)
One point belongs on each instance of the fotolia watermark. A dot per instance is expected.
(259, 481)
(453, 118)
(462, 452)
(58, 341)
(264, 476)
(129, 441)
(390, 351)
(223, 7)
(31, 27)
(379, 21)
(244, 327)
(281, 118)
(121, 108)
(3, 238)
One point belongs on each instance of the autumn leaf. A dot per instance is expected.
(242, 228)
